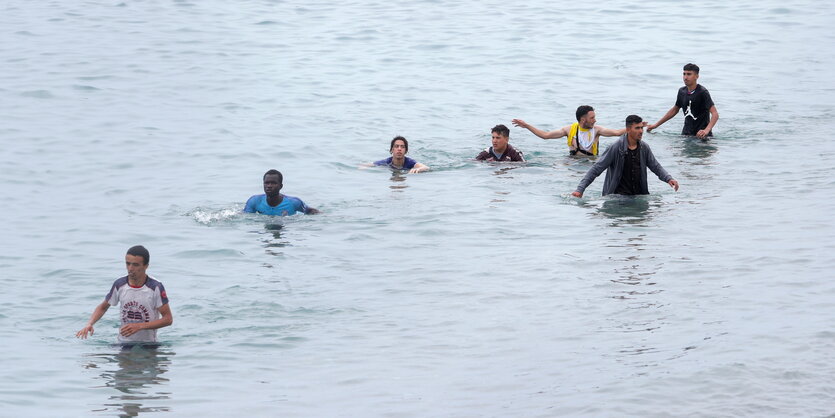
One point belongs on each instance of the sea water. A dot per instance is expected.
(471, 290)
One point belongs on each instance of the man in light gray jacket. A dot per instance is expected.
(626, 162)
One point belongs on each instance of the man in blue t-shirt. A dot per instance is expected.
(398, 160)
(274, 203)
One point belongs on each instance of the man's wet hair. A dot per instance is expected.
(501, 130)
(399, 138)
(633, 119)
(582, 110)
(276, 172)
(140, 251)
(691, 67)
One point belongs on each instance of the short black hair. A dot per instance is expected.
(582, 110)
(501, 130)
(140, 251)
(276, 172)
(399, 138)
(633, 119)
(691, 67)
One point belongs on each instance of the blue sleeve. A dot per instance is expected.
(381, 162)
(250, 204)
(301, 207)
(409, 163)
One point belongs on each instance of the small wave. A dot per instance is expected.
(207, 217)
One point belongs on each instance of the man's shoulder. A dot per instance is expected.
(483, 155)
(291, 199)
(384, 161)
(153, 283)
(120, 282)
(512, 150)
(256, 197)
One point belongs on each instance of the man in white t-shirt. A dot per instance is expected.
(142, 302)
(583, 135)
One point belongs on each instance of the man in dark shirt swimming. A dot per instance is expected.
(501, 150)
(626, 162)
(274, 203)
(700, 114)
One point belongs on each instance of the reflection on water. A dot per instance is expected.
(273, 241)
(505, 171)
(398, 176)
(635, 289)
(699, 149)
(135, 375)
(626, 210)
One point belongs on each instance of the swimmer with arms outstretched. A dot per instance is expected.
(398, 160)
(583, 136)
(274, 203)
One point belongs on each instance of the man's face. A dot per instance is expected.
(136, 267)
(635, 131)
(398, 150)
(690, 78)
(272, 185)
(499, 142)
(588, 120)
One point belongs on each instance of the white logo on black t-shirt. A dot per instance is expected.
(688, 112)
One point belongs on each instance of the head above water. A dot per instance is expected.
(691, 67)
(140, 251)
(690, 76)
(403, 141)
(273, 182)
(582, 111)
(585, 115)
(499, 136)
(633, 119)
(274, 172)
(501, 130)
(634, 127)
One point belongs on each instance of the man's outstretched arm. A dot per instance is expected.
(669, 115)
(557, 133)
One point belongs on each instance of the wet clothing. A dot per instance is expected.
(582, 141)
(509, 154)
(613, 161)
(289, 206)
(138, 304)
(408, 163)
(695, 106)
(630, 179)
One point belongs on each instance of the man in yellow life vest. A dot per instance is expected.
(583, 136)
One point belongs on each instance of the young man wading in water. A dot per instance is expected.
(626, 162)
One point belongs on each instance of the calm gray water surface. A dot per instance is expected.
(471, 290)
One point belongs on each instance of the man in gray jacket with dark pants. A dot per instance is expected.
(626, 162)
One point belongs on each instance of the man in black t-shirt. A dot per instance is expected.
(700, 114)
(626, 162)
